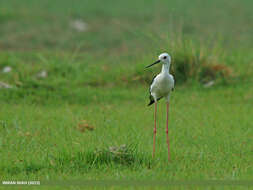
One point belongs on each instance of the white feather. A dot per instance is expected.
(163, 83)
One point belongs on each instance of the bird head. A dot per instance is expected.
(162, 58)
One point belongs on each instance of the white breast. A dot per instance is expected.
(162, 85)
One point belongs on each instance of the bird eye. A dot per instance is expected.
(164, 57)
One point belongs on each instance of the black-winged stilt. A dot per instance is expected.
(161, 86)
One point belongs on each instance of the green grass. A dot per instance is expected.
(97, 78)
(208, 143)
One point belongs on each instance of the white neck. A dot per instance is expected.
(166, 68)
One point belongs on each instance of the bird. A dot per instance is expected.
(161, 87)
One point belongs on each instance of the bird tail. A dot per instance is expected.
(151, 100)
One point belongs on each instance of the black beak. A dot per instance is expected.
(158, 61)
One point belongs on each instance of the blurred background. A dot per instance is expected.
(62, 43)
(120, 26)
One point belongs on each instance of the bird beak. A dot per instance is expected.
(158, 61)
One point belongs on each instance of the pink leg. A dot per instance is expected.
(154, 131)
(168, 143)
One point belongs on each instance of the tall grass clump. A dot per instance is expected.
(196, 62)
(191, 61)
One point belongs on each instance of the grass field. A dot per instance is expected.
(87, 117)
